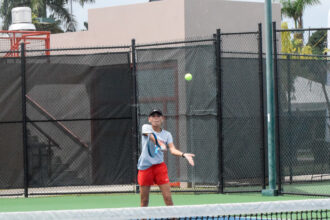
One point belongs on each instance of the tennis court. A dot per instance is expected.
(80, 105)
(73, 125)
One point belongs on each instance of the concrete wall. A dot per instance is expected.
(146, 22)
(203, 17)
(165, 20)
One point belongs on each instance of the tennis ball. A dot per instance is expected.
(188, 76)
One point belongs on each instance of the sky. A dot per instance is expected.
(314, 16)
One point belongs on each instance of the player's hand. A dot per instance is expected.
(162, 146)
(189, 158)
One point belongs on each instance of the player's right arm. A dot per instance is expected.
(147, 130)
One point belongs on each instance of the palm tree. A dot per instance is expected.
(295, 9)
(58, 9)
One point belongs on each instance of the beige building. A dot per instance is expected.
(165, 20)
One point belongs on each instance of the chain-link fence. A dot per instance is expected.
(65, 131)
(243, 109)
(70, 122)
(190, 107)
(303, 96)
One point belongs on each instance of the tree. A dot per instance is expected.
(53, 28)
(58, 10)
(318, 42)
(287, 47)
(293, 46)
(295, 8)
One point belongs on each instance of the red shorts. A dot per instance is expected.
(156, 174)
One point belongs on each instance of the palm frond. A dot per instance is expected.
(295, 8)
(82, 2)
(39, 7)
(62, 13)
(57, 9)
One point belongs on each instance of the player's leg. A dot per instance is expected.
(163, 182)
(144, 195)
(166, 191)
(145, 180)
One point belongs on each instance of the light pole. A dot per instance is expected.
(271, 191)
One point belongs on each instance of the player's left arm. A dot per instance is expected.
(174, 151)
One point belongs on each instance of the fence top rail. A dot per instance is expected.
(9, 51)
(240, 33)
(174, 42)
(240, 52)
(302, 29)
(81, 48)
(303, 55)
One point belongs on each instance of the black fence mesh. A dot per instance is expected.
(11, 142)
(243, 149)
(76, 119)
(84, 109)
(303, 124)
(303, 112)
(189, 107)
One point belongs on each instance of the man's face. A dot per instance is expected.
(156, 120)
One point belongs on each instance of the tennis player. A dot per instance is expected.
(153, 170)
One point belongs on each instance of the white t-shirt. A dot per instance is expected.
(145, 161)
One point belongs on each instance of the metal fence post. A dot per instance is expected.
(262, 107)
(270, 105)
(289, 113)
(277, 113)
(219, 110)
(24, 131)
(135, 129)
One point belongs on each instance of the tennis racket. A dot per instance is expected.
(153, 149)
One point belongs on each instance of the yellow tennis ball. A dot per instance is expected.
(188, 76)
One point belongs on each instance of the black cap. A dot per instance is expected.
(154, 111)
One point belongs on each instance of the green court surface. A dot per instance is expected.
(129, 200)
(314, 188)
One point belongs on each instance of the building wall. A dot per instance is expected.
(146, 22)
(203, 17)
(165, 20)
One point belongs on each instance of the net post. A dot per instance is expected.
(271, 191)
(262, 107)
(135, 135)
(24, 128)
(219, 109)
